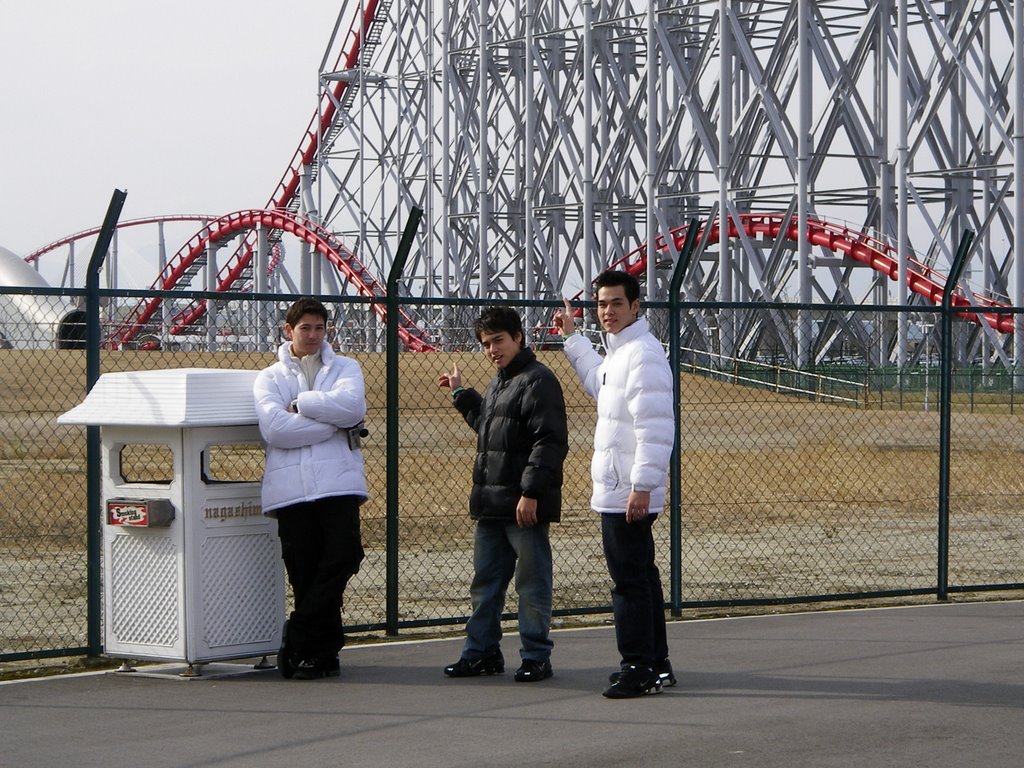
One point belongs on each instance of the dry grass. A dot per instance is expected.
(742, 448)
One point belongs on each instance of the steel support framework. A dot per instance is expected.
(545, 141)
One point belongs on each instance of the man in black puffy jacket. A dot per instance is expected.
(522, 441)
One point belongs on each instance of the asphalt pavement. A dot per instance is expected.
(934, 685)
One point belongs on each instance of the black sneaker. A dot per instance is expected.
(532, 671)
(633, 682)
(488, 665)
(663, 668)
(315, 669)
(285, 663)
(665, 673)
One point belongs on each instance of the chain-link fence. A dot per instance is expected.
(793, 485)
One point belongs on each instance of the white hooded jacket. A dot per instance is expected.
(308, 453)
(633, 440)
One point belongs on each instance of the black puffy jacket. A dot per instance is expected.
(522, 440)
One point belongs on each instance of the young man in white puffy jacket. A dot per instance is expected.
(632, 384)
(308, 403)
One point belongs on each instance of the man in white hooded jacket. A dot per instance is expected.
(632, 384)
(308, 403)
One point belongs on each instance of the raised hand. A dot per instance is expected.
(564, 320)
(452, 380)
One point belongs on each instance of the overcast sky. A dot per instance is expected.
(192, 107)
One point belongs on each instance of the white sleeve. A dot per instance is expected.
(585, 361)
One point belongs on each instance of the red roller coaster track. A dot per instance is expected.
(280, 215)
(225, 228)
(921, 279)
(87, 233)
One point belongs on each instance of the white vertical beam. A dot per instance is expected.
(483, 186)
(529, 138)
(651, 133)
(309, 263)
(264, 320)
(448, 250)
(364, 107)
(1017, 98)
(988, 176)
(902, 177)
(211, 305)
(803, 162)
(429, 160)
(166, 312)
(880, 348)
(726, 74)
(111, 263)
(590, 255)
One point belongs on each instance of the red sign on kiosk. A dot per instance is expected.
(140, 513)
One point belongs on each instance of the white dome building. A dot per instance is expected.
(29, 321)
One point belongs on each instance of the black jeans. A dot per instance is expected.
(322, 550)
(638, 602)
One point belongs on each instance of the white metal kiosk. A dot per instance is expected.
(192, 569)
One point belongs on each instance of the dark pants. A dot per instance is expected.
(322, 550)
(638, 602)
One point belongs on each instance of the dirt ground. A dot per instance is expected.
(780, 496)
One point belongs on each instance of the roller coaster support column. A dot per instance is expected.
(263, 317)
(902, 183)
(211, 286)
(1018, 189)
(726, 76)
(391, 524)
(805, 279)
(309, 264)
(675, 495)
(93, 456)
(945, 407)
(166, 310)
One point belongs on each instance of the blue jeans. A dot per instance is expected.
(496, 549)
(638, 602)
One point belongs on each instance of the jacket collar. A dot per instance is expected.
(634, 330)
(284, 354)
(519, 362)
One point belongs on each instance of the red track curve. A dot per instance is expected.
(226, 227)
(859, 246)
(921, 279)
(288, 187)
(283, 200)
(34, 256)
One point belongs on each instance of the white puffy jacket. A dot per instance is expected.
(308, 455)
(632, 384)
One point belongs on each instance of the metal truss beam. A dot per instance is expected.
(545, 141)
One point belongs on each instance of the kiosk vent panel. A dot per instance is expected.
(144, 589)
(239, 589)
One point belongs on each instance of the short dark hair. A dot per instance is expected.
(497, 319)
(613, 277)
(305, 306)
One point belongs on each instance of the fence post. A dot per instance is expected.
(93, 453)
(945, 407)
(675, 470)
(392, 442)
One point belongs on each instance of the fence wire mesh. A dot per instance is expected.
(794, 484)
(986, 513)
